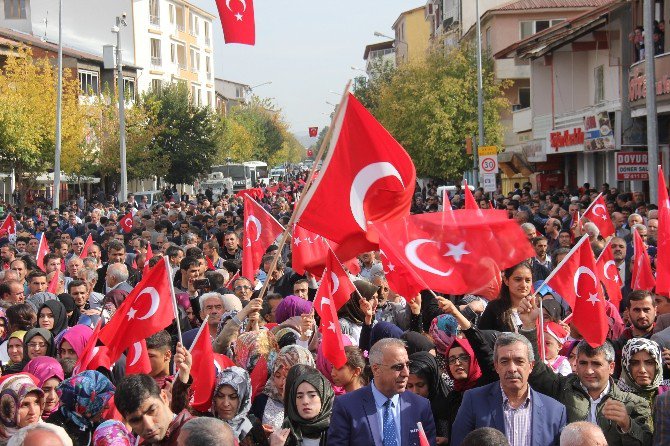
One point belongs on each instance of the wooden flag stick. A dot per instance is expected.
(174, 298)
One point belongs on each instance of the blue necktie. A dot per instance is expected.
(389, 426)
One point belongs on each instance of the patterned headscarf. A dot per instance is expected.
(238, 379)
(288, 357)
(251, 345)
(314, 427)
(112, 433)
(13, 389)
(84, 396)
(633, 346)
(443, 330)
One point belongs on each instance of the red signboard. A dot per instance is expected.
(632, 166)
(566, 138)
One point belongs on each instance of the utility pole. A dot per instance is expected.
(652, 121)
(59, 108)
(480, 97)
(123, 190)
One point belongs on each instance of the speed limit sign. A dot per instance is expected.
(488, 164)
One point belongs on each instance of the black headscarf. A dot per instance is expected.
(416, 342)
(68, 302)
(424, 365)
(60, 315)
(318, 425)
(352, 310)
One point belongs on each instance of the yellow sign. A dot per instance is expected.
(487, 150)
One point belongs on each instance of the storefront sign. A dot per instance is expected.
(569, 140)
(632, 166)
(599, 135)
(637, 81)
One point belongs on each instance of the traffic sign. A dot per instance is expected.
(488, 164)
(487, 150)
(489, 182)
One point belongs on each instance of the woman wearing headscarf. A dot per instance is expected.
(425, 379)
(49, 374)
(253, 345)
(309, 404)
(379, 331)
(417, 342)
(642, 369)
(38, 342)
(443, 331)
(291, 306)
(71, 309)
(71, 343)
(324, 366)
(269, 406)
(52, 316)
(83, 398)
(14, 352)
(232, 402)
(113, 433)
(354, 313)
(21, 402)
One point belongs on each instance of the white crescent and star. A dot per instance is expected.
(606, 267)
(593, 298)
(257, 223)
(137, 348)
(155, 302)
(324, 301)
(331, 326)
(238, 16)
(336, 282)
(297, 241)
(412, 256)
(599, 206)
(363, 180)
(457, 251)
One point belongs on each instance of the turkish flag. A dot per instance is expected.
(87, 245)
(313, 132)
(210, 265)
(89, 351)
(401, 277)
(232, 279)
(8, 229)
(260, 231)
(446, 204)
(457, 252)
(331, 332)
(642, 277)
(342, 287)
(237, 20)
(663, 238)
(53, 283)
(204, 376)
(576, 281)
(597, 214)
(470, 202)
(126, 222)
(608, 273)
(366, 177)
(148, 309)
(42, 250)
(137, 358)
(310, 252)
(256, 193)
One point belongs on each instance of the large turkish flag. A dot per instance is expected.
(237, 20)
(366, 177)
(260, 231)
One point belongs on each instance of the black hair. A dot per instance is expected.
(159, 341)
(485, 436)
(132, 391)
(188, 262)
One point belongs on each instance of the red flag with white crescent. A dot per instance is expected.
(598, 215)
(331, 332)
(260, 231)
(126, 222)
(366, 177)
(148, 309)
(8, 229)
(89, 352)
(238, 21)
(137, 358)
(309, 252)
(608, 273)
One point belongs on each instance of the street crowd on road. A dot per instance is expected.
(425, 369)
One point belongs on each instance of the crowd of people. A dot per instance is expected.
(461, 370)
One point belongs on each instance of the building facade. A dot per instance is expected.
(412, 35)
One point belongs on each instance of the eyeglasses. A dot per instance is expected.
(399, 367)
(36, 345)
(463, 358)
(242, 287)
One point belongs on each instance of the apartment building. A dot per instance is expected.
(174, 42)
(412, 35)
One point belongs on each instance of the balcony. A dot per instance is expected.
(637, 86)
(180, 27)
(209, 75)
(155, 21)
(208, 41)
(156, 62)
(522, 120)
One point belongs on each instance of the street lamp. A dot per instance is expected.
(116, 29)
(378, 34)
(259, 85)
(59, 109)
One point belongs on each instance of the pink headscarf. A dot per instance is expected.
(44, 368)
(325, 367)
(77, 336)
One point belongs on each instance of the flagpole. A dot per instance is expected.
(325, 143)
(174, 298)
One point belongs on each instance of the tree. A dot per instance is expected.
(187, 136)
(28, 117)
(430, 107)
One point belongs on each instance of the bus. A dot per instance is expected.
(238, 173)
(259, 171)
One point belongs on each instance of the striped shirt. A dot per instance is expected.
(517, 421)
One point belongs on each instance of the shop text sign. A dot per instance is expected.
(567, 140)
(632, 166)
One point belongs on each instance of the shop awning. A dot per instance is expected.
(514, 163)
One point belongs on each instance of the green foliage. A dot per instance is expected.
(187, 135)
(430, 107)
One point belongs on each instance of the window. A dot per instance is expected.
(156, 60)
(154, 13)
(156, 84)
(15, 9)
(208, 41)
(195, 59)
(199, 93)
(89, 82)
(178, 55)
(194, 25)
(179, 18)
(129, 89)
(488, 39)
(193, 94)
(599, 80)
(528, 28)
(239, 91)
(208, 67)
(209, 98)
(524, 97)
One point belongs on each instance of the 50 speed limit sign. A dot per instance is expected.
(488, 164)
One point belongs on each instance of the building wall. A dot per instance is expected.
(412, 32)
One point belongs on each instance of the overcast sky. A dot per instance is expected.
(306, 48)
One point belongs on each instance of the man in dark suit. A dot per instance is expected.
(526, 417)
(383, 413)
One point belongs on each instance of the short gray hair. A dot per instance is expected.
(376, 354)
(606, 349)
(74, 258)
(88, 274)
(118, 271)
(528, 226)
(19, 438)
(212, 295)
(206, 430)
(505, 339)
(574, 433)
(90, 262)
